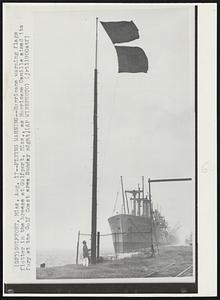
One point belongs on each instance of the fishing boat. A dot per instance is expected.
(139, 226)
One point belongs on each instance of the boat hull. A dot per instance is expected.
(130, 233)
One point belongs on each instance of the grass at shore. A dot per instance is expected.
(139, 266)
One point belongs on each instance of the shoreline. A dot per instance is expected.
(171, 261)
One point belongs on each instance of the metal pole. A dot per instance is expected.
(115, 244)
(95, 154)
(151, 216)
(98, 244)
(170, 179)
(77, 249)
(96, 44)
(151, 209)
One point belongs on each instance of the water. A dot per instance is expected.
(54, 258)
(62, 257)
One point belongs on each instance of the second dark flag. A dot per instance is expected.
(131, 59)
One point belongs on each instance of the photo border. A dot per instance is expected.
(127, 288)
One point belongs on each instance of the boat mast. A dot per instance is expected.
(126, 197)
(95, 154)
(143, 200)
(151, 217)
(143, 187)
(123, 195)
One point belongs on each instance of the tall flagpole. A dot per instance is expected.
(95, 154)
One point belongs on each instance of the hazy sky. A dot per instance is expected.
(146, 121)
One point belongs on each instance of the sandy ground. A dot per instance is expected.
(170, 262)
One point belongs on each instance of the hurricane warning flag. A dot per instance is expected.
(121, 32)
(130, 59)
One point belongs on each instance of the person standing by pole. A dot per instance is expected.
(85, 254)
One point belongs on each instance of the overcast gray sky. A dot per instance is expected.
(146, 121)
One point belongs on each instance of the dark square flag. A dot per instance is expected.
(121, 32)
(131, 59)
